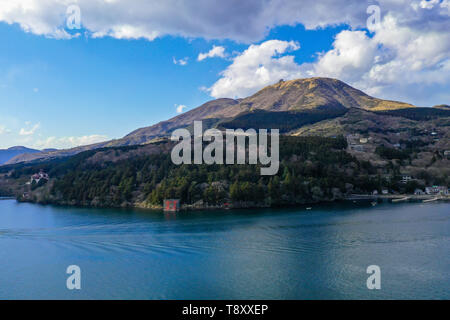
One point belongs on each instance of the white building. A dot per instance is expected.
(37, 177)
(437, 190)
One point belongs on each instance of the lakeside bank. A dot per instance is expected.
(249, 205)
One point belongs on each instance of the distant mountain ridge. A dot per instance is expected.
(10, 153)
(308, 100)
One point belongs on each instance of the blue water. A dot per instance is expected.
(321, 253)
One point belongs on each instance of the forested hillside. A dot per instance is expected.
(312, 169)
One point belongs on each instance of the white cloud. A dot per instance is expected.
(394, 63)
(246, 21)
(29, 131)
(398, 62)
(428, 4)
(68, 142)
(216, 51)
(239, 20)
(126, 31)
(410, 50)
(4, 130)
(181, 62)
(257, 67)
(180, 108)
(352, 55)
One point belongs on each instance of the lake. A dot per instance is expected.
(321, 253)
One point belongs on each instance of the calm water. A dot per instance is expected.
(267, 254)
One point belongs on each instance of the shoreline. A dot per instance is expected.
(8, 198)
(400, 197)
(361, 198)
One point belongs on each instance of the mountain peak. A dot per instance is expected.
(317, 92)
(21, 148)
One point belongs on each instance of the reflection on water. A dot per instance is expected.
(321, 253)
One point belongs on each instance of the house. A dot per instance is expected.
(37, 177)
(447, 153)
(437, 190)
(171, 205)
(385, 191)
(375, 192)
(419, 192)
(442, 190)
(363, 140)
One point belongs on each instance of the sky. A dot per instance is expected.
(79, 72)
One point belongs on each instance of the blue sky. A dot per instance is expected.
(63, 91)
(110, 87)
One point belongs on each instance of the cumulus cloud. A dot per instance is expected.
(398, 61)
(239, 20)
(4, 130)
(69, 142)
(246, 21)
(428, 4)
(216, 51)
(353, 54)
(257, 67)
(180, 62)
(395, 62)
(29, 131)
(180, 108)
(407, 58)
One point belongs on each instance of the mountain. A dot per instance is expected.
(8, 154)
(319, 95)
(311, 93)
(288, 105)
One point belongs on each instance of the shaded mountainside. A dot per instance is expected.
(288, 105)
